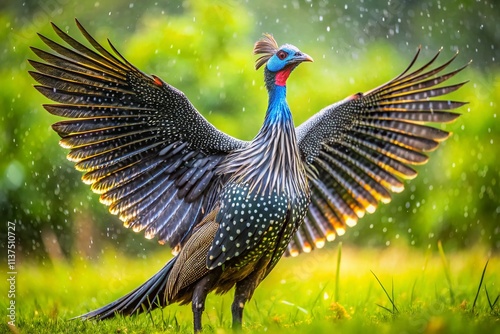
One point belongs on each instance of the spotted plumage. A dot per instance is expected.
(254, 225)
(230, 208)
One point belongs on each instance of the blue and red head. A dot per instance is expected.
(280, 61)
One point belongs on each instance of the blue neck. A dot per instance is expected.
(277, 110)
(272, 161)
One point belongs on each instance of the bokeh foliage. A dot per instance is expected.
(204, 49)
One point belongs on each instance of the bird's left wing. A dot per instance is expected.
(357, 150)
(141, 143)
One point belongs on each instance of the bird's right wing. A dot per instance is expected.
(141, 143)
(357, 150)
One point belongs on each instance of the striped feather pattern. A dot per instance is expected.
(358, 150)
(132, 135)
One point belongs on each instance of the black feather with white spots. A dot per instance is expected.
(246, 220)
(141, 143)
(357, 150)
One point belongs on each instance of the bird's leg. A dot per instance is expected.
(200, 293)
(243, 292)
(240, 298)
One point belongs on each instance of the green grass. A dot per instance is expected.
(396, 290)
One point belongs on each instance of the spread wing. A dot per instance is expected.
(357, 151)
(141, 143)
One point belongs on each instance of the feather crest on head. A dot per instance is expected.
(267, 47)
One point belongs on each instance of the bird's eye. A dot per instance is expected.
(282, 54)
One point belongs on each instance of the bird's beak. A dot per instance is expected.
(302, 57)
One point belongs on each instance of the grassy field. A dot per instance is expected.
(395, 290)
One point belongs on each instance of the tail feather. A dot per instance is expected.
(145, 298)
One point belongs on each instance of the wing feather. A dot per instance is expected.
(139, 141)
(357, 150)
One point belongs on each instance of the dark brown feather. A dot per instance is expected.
(267, 47)
(191, 263)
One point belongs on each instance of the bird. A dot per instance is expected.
(230, 209)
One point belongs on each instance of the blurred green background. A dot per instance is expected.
(205, 50)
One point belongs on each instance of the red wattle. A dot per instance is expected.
(281, 76)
